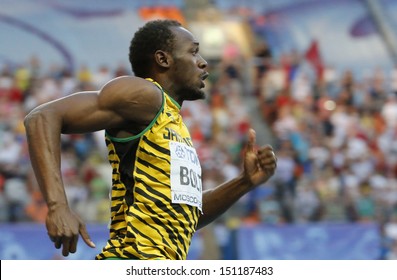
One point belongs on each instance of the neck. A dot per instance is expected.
(168, 87)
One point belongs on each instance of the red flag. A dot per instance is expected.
(313, 56)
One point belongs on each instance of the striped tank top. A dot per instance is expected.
(156, 190)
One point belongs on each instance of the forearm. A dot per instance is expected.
(218, 200)
(43, 132)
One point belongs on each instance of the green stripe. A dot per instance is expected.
(173, 101)
(127, 139)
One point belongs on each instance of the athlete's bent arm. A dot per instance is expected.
(114, 107)
(44, 126)
(259, 166)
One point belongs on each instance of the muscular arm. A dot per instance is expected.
(44, 126)
(259, 166)
(122, 103)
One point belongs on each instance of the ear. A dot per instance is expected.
(163, 58)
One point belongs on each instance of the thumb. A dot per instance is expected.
(84, 234)
(251, 140)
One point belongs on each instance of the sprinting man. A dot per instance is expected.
(157, 202)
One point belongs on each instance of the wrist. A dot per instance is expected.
(53, 206)
(245, 181)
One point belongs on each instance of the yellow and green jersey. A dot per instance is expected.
(156, 191)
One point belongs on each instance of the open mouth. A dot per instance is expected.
(204, 76)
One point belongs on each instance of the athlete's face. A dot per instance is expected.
(189, 68)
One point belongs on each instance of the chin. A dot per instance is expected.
(191, 94)
(199, 94)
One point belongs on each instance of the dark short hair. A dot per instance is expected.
(154, 35)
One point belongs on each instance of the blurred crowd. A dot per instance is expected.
(335, 137)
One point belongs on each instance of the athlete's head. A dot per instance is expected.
(154, 35)
(164, 48)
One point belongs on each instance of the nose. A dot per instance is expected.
(202, 63)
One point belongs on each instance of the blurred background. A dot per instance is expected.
(317, 79)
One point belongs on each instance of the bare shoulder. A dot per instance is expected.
(127, 87)
(133, 98)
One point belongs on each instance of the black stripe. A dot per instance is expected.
(155, 146)
(118, 198)
(111, 243)
(179, 209)
(150, 188)
(111, 151)
(148, 164)
(117, 232)
(174, 207)
(154, 155)
(141, 234)
(115, 189)
(148, 176)
(131, 256)
(147, 256)
(170, 229)
(117, 221)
